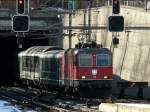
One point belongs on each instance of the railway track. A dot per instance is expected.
(59, 103)
(49, 101)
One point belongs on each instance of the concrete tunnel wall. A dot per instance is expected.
(131, 59)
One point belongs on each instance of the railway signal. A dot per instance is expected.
(116, 6)
(20, 6)
(20, 23)
(116, 23)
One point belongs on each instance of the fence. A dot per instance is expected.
(11, 4)
(99, 3)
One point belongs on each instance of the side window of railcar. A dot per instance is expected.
(32, 63)
(46, 64)
(103, 60)
(49, 65)
(53, 64)
(37, 64)
(26, 63)
(85, 60)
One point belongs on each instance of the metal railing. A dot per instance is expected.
(81, 4)
(133, 3)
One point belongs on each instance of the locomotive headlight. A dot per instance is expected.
(105, 77)
(83, 77)
(94, 72)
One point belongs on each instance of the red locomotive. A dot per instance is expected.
(75, 69)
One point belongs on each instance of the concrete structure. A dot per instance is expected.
(11, 4)
(44, 23)
(132, 56)
(124, 107)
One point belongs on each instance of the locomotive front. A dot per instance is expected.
(92, 68)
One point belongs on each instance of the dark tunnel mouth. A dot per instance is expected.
(9, 67)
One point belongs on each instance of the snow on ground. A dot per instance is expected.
(136, 105)
(8, 107)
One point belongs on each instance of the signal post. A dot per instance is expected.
(115, 22)
(21, 21)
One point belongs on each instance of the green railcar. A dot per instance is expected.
(40, 65)
(51, 67)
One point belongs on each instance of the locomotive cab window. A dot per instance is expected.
(85, 60)
(103, 60)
